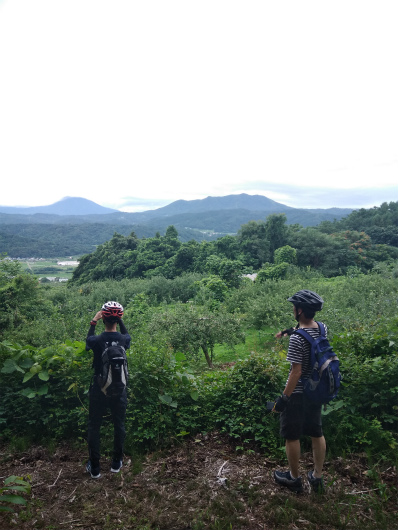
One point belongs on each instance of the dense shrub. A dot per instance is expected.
(46, 372)
(364, 417)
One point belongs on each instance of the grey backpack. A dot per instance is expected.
(114, 372)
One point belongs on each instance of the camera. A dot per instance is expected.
(270, 405)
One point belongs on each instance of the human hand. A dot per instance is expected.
(281, 403)
(278, 335)
(98, 316)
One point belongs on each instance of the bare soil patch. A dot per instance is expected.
(201, 484)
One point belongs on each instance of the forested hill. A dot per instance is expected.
(82, 234)
(269, 246)
(76, 226)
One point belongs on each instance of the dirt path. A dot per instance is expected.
(202, 484)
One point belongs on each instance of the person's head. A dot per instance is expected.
(306, 303)
(112, 312)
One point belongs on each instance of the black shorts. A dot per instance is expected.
(301, 417)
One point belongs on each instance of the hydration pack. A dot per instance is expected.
(324, 381)
(114, 373)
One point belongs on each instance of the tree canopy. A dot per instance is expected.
(361, 240)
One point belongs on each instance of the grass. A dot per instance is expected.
(49, 267)
(257, 341)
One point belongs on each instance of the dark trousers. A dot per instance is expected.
(98, 405)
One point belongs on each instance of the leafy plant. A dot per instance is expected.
(190, 328)
(8, 493)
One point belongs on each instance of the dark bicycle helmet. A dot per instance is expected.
(112, 309)
(307, 300)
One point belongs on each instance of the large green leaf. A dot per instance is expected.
(165, 398)
(15, 499)
(27, 376)
(194, 395)
(26, 363)
(9, 366)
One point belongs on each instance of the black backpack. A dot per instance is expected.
(324, 381)
(114, 374)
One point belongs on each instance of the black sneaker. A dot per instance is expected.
(316, 483)
(284, 478)
(94, 471)
(116, 466)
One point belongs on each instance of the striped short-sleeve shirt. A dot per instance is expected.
(299, 351)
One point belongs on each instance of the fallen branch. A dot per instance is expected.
(72, 493)
(56, 480)
(221, 468)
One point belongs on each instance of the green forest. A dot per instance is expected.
(358, 242)
(204, 359)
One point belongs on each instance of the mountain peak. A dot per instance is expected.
(228, 202)
(66, 206)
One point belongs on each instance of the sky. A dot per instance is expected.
(136, 104)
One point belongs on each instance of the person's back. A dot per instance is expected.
(111, 314)
(300, 416)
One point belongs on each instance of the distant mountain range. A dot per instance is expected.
(60, 229)
(221, 214)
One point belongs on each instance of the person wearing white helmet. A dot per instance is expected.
(299, 416)
(111, 314)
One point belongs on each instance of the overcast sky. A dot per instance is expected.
(135, 104)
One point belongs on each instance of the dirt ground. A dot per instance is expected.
(202, 483)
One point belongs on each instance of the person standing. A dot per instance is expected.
(99, 400)
(300, 416)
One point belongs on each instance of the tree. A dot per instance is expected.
(253, 243)
(228, 246)
(276, 231)
(286, 254)
(229, 270)
(272, 272)
(20, 296)
(190, 329)
(110, 260)
(212, 287)
(171, 232)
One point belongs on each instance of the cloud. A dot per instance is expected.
(135, 204)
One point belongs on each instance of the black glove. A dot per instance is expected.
(287, 331)
(281, 403)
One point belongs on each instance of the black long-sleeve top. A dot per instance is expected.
(98, 343)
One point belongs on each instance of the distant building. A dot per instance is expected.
(68, 263)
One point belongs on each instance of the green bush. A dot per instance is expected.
(235, 402)
(364, 416)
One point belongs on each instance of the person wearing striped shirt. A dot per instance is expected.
(299, 416)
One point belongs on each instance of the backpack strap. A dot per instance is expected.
(321, 329)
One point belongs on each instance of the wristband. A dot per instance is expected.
(93, 323)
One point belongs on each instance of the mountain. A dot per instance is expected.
(66, 206)
(61, 228)
(228, 202)
(244, 207)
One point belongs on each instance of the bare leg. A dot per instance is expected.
(293, 456)
(319, 452)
